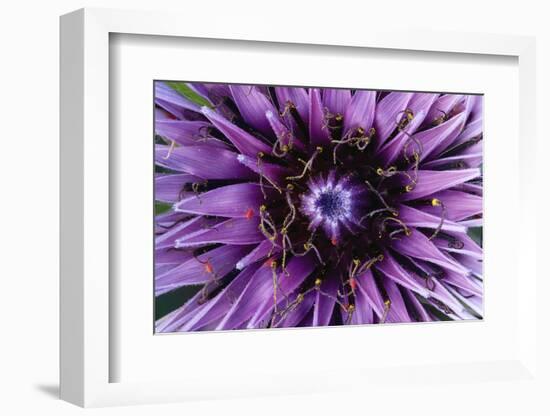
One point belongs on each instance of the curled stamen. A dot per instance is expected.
(436, 202)
(289, 308)
(405, 229)
(279, 149)
(308, 164)
(405, 117)
(381, 198)
(328, 117)
(327, 295)
(352, 270)
(377, 211)
(368, 264)
(392, 170)
(290, 108)
(291, 216)
(260, 156)
(265, 220)
(339, 143)
(417, 152)
(308, 246)
(259, 163)
(439, 120)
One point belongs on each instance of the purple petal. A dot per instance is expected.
(336, 100)
(472, 129)
(392, 149)
(234, 201)
(458, 205)
(464, 245)
(236, 231)
(416, 218)
(169, 238)
(472, 188)
(171, 256)
(423, 315)
(161, 114)
(173, 111)
(452, 162)
(186, 132)
(257, 298)
(207, 267)
(318, 132)
(476, 112)
(438, 138)
(203, 161)
(474, 265)
(283, 134)
(475, 151)
(431, 181)
(418, 246)
(364, 313)
(260, 252)
(253, 105)
(465, 283)
(442, 294)
(475, 222)
(243, 141)
(442, 107)
(397, 311)
(297, 269)
(169, 188)
(390, 268)
(219, 305)
(366, 284)
(275, 173)
(388, 113)
(420, 104)
(297, 315)
(166, 220)
(473, 302)
(360, 111)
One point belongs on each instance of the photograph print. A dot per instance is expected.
(291, 206)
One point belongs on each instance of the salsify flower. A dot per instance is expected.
(298, 207)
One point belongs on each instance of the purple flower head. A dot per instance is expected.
(298, 207)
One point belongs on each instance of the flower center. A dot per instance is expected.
(333, 204)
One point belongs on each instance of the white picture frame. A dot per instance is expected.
(86, 354)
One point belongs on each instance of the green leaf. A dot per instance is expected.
(184, 90)
(476, 234)
(166, 303)
(161, 207)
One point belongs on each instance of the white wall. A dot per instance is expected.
(29, 178)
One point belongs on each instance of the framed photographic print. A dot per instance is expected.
(298, 213)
